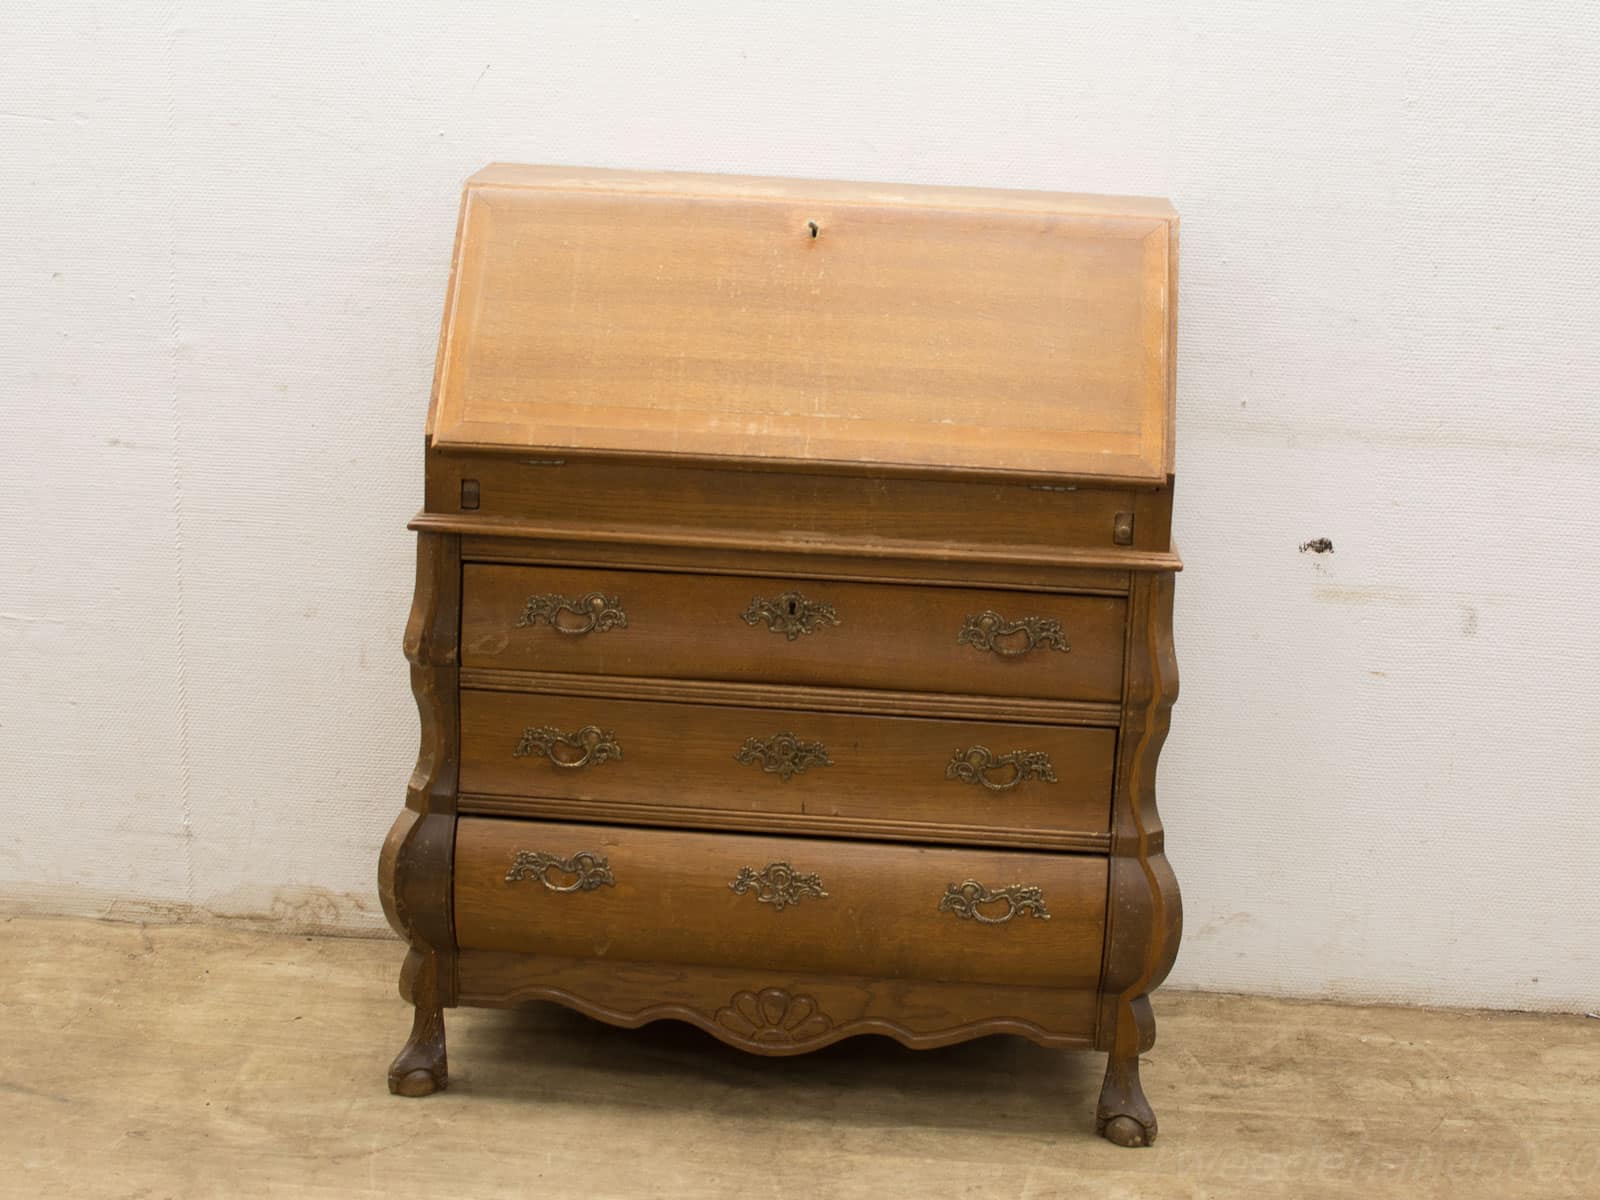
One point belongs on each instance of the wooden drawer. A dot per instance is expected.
(927, 639)
(827, 765)
(773, 506)
(779, 904)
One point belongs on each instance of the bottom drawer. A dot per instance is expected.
(784, 904)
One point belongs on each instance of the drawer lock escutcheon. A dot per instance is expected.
(964, 899)
(990, 631)
(975, 764)
(588, 870)
(594, 613)
(783, 755)
(586, 747)
(790, 614)
(777, 884)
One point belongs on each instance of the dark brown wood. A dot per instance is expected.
(867, 767)
(591, 495)
(875, 553)
(415, 869)
(932, 566)
(691, 816)
(692, 627)
(420, 1069)
(793, 645)
(921, 1014)
(1144, 910)
(670, 897)
(953, 706)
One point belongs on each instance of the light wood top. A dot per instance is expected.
(772, 187)
(920, 327)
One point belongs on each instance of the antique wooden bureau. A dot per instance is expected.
(792, 634)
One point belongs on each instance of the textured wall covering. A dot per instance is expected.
(224, 232)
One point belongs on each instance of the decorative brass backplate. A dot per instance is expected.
(589, 870)
(963, 899)
(790, 614)
(783, 755)
(777, 884)
(974, 765)
(990, 631)
(592, 745)
(596, 613)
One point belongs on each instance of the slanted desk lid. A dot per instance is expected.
(858, 324)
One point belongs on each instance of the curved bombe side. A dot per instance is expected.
(414, 869)
(1145, 911)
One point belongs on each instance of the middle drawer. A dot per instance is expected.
(1004, 781)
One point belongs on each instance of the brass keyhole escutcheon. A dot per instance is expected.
(790, 614)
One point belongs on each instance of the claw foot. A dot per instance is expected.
(1124, 1116)
(1125, 1131)
(420, 1069)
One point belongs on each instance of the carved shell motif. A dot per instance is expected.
(773, 1017)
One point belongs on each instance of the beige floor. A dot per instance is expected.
(187, 1061)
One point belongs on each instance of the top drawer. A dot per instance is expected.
(895, 637)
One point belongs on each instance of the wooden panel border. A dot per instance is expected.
(961, 559)
(988, 709)
(672, 816)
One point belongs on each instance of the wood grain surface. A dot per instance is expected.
(933, 565)
(779, 1012)
(816, 322)
(692, 627)
(793, 638)
(879, 767)
(672, 902)
(780, 505)
(789, 696)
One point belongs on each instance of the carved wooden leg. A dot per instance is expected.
(1124, 1116)
(419, 1069)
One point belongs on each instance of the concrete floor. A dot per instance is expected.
(212, 1062)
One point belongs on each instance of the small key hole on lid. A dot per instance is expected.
(813, 227)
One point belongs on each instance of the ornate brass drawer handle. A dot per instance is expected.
(974, 765)
(986, 630)
(597, 611)
(963, 899)
(777, 884)
(783, 755)
(592, 744)
(588, 869)
(790, 614)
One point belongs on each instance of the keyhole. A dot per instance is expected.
(813, 227)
